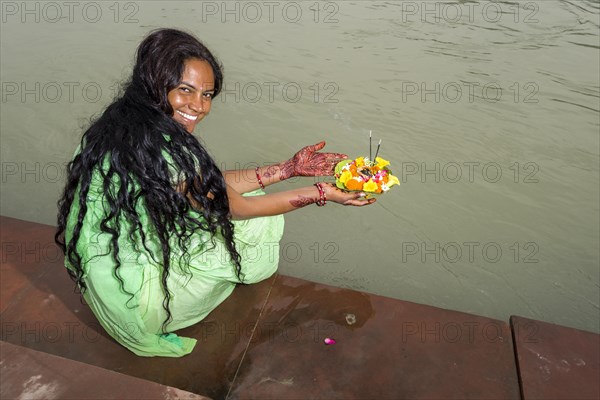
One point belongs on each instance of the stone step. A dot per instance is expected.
(30, 374)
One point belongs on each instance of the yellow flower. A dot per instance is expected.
(381, 162)
(392, 180)
(370, 186)
(345, 176)
(360, 161)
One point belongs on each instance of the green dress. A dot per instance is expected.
(133, 315)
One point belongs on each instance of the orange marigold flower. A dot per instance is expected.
(354, 184)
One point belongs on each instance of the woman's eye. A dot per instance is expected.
(185, 90)
(209, 95)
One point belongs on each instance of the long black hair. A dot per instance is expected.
(127, 146)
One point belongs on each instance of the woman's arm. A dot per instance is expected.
(246, 180)
(242, 207)
(306, 162)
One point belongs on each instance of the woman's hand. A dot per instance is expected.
(309, 162)
(246, 207)
(337, 195)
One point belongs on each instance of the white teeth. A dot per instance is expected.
(188, 116)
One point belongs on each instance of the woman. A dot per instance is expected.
(146, 217)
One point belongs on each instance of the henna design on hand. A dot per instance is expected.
(302, 201)
(271, 171)
(286, 170)
(309, 162)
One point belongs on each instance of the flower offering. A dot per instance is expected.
(362, 174)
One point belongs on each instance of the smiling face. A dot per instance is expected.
(192, 98)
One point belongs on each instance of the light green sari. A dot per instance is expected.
(133, 314)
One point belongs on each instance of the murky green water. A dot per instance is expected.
(488, 111)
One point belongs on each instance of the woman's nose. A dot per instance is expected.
(197, 104)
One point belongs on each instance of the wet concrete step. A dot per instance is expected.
(30, 374)
(556, 362)
(385, 349)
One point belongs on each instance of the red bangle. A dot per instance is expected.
(258, 177)
(322, 197)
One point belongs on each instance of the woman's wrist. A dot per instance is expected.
(322, 200)
(266, 176)
(286, 170)
(258, 178)
(310, 195)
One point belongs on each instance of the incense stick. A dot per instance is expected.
(370, 153)
(377, 152)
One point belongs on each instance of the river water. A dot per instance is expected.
(488, 111)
